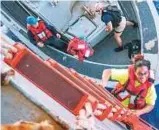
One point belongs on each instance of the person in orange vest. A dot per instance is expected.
(135, 88)
(42, 34)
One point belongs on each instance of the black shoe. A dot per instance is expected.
(118, 49)
(135, 23)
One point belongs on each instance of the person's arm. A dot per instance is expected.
(107, 18)
(150, 101)
(106, 76)
(145, 110)
(109, 27)
(120, 75)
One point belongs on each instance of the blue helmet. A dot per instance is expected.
(31, 20)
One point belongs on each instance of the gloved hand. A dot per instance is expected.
(58, 35)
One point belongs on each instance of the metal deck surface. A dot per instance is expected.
(104, 51)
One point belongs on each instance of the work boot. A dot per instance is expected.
(135, 25)
(118, 49)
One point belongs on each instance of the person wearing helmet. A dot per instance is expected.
(135, 88)
(113, 19)
(41, 34)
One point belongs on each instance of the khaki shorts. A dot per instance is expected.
(121, 26)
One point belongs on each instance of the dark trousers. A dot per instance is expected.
(57, 43)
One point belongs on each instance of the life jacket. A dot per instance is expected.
(128, 90)
(115, 13)
(41, 33)
(80, 48)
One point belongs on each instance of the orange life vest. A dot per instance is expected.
(41, 33)
(128, 90)
(80, 48)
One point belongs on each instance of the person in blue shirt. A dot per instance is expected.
(41, 34)
(114, 20)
